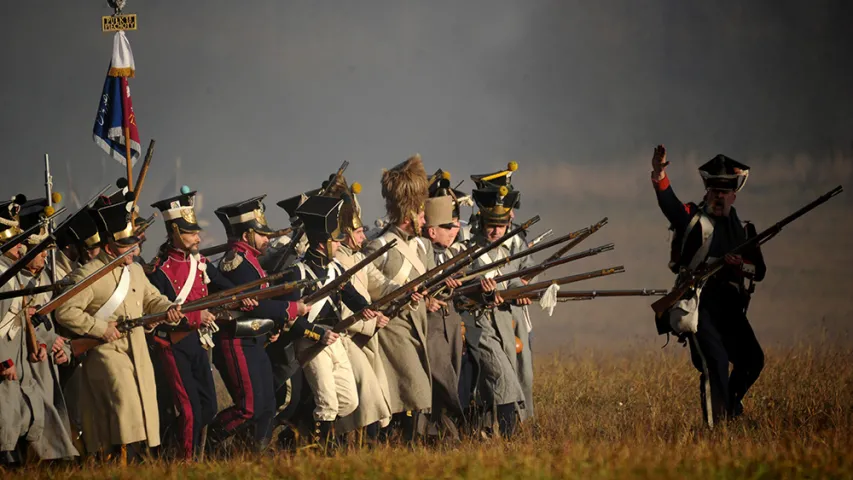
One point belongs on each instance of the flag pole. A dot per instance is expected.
(128, 157)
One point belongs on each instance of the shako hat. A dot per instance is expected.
(31, 213)
(114, 222)
(350, 217)
(501, 178)
(81, 229)
(178, 212)
(439, 186)
(319, 216)
(495, 205)
(244, 216)
(440, 212)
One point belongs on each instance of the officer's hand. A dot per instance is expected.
(173, 314)
(329, 337)
(733, 259)
(659, 162)
(9, 373)
(381, 320)
(452, 283)
(302, 308)
(249, 304)
(111, 334)
(60, 357)
(57, 345)
(523, 301)
(207, 318)
(488, 284)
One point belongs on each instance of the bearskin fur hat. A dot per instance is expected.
(405, 188)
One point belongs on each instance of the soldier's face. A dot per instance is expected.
(15, 252)
(92, 253)
(356, 239)
(495, 232)
(720, 201)
(37, 264)
(116, 250)
(262, 242)
(189, 242)
(333, 248)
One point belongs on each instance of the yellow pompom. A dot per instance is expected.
(503, 190)
(48, 210)
(356, 188)
(512, 166)
(56, 197)
(445, 175)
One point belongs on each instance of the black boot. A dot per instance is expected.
(323, 435)
(409, 426)
(506, 419)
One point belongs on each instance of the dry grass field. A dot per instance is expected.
(629, 416)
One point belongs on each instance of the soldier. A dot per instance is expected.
(29, 414)
(183, 275)
(723, 334)
(373, 411)
(522, 324)
(119, 397)
(402, 344)
(498, 389)
(239, 352)
(444, 333)
(329, 373)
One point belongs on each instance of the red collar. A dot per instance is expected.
(177, 254)
(251, 253)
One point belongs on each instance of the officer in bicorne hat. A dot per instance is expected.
(703, 232)
(119, 397)
(239, 352)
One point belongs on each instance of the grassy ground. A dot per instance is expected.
(633, 416)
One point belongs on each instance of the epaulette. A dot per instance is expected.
(231, 261)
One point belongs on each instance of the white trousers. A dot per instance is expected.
(331, 379)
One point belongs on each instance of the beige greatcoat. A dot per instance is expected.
(368, 369)
(402, 345)
(119, 395)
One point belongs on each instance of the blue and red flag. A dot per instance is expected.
(115, 124)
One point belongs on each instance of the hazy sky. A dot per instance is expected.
(270, 96)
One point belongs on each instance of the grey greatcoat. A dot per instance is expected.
(32, 406)
(498, 384)
(402, 344)
(444, 340)
(523, 327)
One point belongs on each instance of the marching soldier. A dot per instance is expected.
(373, 411)
(239, 352)
(402, 344)
(29, 414)
(705, 232)
(119, 396)
(444, 333)
(180, 273)
(330, 373)
(498, 389)
(522, 324)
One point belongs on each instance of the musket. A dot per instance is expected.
(30, 291)
(83, 284)
(81, 345)
(143, 172)
(223, 247)
(403, 291)
(524, 253)
(434, 283)
(343, 278)
(536, 269)
(513, 293)
(17, 239)
(48, 186)
(300, 231)
(538, 239)
(559, 253)
(697, 277)
(591, 294)
(147, 223)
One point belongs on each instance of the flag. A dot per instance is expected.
(115, 116)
